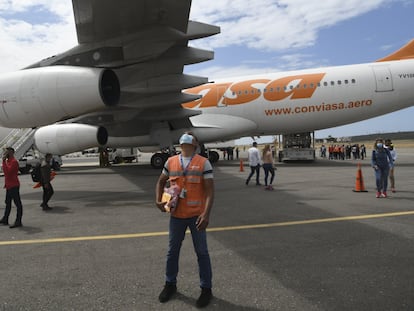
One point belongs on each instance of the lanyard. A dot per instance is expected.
(188, 164)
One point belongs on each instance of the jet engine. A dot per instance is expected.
(62, 139)
(41, 96)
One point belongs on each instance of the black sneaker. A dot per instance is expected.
(16, 225)
(4, 222)
(204, 298)
(169, 290)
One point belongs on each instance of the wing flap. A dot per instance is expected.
(197, 30)
(156, 101)
(167, 83)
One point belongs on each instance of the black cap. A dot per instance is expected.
(10, 149)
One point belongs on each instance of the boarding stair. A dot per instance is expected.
(22, 140)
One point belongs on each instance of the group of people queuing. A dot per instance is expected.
(383, 160)
(12, 185)
(344, 152)
(229, 153)
(255, 162)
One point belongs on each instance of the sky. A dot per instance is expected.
(267, 36)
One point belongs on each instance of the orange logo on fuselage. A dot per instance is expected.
(246, 91)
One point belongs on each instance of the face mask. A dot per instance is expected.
(379, 145)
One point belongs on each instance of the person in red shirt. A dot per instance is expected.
(12, 185)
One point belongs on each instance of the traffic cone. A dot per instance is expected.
(359, 183)
(241, 166)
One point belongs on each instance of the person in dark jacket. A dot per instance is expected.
(12, 185)
(45, 180)
(381, 161)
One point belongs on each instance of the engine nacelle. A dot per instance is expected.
(41, 96)
(62, 139)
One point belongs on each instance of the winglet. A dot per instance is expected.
(406, 52)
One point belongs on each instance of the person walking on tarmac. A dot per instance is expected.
(268, 167)
(393, 152)
(12, 185)
(195, 179)
(45, 180)
(254, 163)
(381, 161)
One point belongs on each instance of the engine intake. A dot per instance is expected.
(110, 88)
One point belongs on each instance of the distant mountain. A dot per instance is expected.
(392, 136)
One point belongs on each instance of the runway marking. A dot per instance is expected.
(216, 229)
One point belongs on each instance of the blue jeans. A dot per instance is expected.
(253, 170)
(13, 194)
(381, 178)
(268, 168)
(178, 226)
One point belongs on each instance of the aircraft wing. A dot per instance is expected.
(132, 53)
(98, 21)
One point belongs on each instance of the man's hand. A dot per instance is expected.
(161, 206)
(202, 222)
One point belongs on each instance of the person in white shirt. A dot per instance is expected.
(254, 163)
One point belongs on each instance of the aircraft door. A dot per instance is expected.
(383, 79)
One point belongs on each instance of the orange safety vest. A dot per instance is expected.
(194, 202)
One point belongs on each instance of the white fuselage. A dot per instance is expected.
(305, 100)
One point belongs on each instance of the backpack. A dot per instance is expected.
(35, 172)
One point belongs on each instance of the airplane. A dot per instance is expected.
(123, 86)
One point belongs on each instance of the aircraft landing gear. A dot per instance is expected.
(158, 160)
(213, 156)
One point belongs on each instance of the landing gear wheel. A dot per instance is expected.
(158, 160)
(213, 156)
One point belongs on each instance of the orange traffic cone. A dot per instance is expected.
(241, 166)
(359, 183)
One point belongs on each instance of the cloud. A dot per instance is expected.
(25, 41)
(271, 25)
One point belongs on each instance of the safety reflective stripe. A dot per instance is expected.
(193, 203)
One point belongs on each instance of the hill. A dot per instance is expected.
(393, 136)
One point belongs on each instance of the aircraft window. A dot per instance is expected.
(304, 86)
(271, 89)
(353, 81)
(291, 87)
(234, 93)
(285, 87)
(240, 92)
(246, 92)
(325, 83)
(278, 89)
(339, 82)
(346, 81)
(332, 83)
(264, 90)
(319, 84)
(311, 85)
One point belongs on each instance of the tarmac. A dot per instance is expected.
(311, 244)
